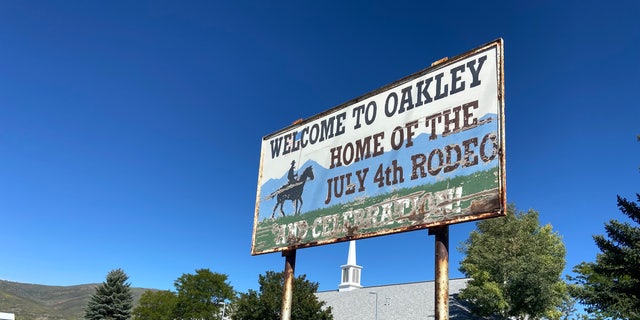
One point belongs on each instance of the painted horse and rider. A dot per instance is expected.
(292, 190)
(292, 176)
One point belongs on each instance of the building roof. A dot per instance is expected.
(399, 301)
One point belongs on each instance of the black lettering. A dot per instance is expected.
(339, 125)
(314, 133)
(296, 142)
(356, 113)
(455, 79)
(423, 92)
(369, 117)
(441, 91)
(326, 131)
(406, 100)
(475, 73)
(287, 144)
(303, 141)
(387, 112)
(276, 144)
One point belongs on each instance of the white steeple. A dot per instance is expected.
(350, 271)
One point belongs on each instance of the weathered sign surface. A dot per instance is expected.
(425, 151)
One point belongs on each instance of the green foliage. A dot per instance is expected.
(515, 265)
(156, 305)
(267, 304)
(473, 183)
(34, 301)
(112, 300)
(198, 296)
(610, 286)
(202, 295)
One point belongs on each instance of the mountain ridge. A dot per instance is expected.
(46, 302)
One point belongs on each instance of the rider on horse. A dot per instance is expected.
(292, 190)
(292, 176)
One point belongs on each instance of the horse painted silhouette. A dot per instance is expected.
(291, 192)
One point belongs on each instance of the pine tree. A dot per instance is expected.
(112, 300)
(610, 286)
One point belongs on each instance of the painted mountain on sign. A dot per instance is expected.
(424, 162)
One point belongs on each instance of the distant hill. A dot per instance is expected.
(39, 302)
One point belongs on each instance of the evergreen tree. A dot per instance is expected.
(610, 286)
(515, 265)
(112, 300)
(267, 304)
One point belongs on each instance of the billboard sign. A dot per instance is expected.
(424, 151)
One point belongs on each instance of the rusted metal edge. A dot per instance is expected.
(256, 208)
(429, 226)
(502, 211)
(502, 151)
(437, 62)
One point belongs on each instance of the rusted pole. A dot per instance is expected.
(442, 272)
(289, 275)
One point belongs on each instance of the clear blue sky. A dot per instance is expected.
(130, 130)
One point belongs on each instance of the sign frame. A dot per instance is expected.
(291, 234)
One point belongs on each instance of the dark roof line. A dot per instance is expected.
(397, 284)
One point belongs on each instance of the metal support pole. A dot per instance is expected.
(442, 272)
(289, 275)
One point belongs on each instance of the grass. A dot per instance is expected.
(364, 212)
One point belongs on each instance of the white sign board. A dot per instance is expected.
(424, 151)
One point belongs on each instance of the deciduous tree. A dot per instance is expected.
(112, 300)
(267, 304)
(202, 295)
(515, 265)
(156, 305)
